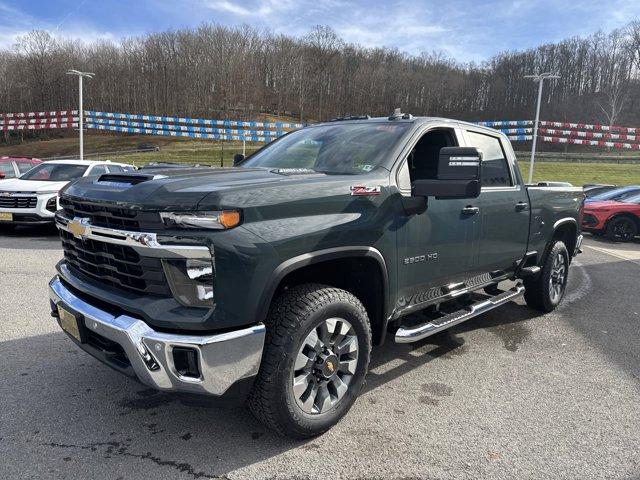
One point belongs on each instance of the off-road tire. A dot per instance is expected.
(291, 318)
(538, 290)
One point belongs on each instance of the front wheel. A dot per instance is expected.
(314, 363)
(545, 292)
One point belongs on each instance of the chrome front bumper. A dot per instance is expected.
(223, 359)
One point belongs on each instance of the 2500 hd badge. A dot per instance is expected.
(273, 280)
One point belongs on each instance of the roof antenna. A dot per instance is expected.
(397, 113)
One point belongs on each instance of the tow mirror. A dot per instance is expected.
(237, 159)
(458, 176)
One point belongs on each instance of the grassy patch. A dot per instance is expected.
(580, 173)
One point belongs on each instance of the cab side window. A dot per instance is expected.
(495, 168)
(423, 159)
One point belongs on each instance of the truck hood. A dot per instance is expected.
(18, 185)
(189, 189)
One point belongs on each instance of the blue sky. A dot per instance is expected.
(467, 30)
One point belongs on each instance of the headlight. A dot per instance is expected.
(52, 204)
(218, 220)
(191, 281)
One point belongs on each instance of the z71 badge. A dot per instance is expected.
(363, 190)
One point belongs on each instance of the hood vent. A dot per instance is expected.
(120, 180)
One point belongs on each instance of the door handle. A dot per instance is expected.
(470, 210)
(521, 206)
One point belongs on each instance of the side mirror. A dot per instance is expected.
(2, 175)
(458, 175)
(237, 159)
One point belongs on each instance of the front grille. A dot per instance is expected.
(116, 265)
(18, 202)
(108, 216)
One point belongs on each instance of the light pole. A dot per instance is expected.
(540, 78)
(80, 108)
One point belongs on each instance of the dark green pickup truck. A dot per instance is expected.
(275, 278)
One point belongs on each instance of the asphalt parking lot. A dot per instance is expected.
(512, 394)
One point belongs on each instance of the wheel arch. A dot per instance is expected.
(617, 215)
(360, 270)
(566, 230)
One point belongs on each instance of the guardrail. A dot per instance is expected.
(38, 120)
(250, 131)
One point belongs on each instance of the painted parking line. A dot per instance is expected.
(632, 256)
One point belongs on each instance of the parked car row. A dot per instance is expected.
(29, 196)
(613, 211)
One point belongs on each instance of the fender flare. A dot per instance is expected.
(564, 220)
(319, 256)
(559, 223)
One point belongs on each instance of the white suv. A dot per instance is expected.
(32, 199)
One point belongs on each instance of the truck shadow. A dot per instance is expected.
(507, 323)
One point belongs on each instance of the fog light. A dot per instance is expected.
(191, 281)
(185, 360)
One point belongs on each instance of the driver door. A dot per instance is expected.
(436, 247)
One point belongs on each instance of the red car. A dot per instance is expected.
(619, 220)
(12, 167)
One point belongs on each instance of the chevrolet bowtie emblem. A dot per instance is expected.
(78, 227)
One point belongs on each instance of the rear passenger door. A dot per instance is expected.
(503, 203)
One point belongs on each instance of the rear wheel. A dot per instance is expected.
(622, 229)
(314, 362)
(545, 292)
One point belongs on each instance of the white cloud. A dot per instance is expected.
(262, 8)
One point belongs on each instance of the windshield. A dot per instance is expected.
(55, 172)
(623, 197)
(632, 199)
(617, 194)
(351, 149)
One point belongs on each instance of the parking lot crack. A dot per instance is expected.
(118, 448)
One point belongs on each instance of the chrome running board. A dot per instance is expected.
(418, 332)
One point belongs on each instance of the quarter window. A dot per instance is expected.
(24, 167)
(98, 170)
(495, 168)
